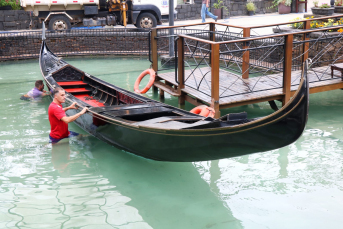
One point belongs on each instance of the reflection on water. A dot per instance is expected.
(85, 183)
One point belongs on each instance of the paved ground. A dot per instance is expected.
(260, 19)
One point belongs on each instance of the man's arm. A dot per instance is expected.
(74, 117)
(72, 106)
(207, 2)
(45, 94)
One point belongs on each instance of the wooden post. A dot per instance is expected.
(215, 79)
(212, 38)
(246, 58)
(307, 25)
(181, 69)
(287, 69)
(154, 55)
(213, 32)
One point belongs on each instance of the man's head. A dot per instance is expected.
(59, 94)
(39, 85)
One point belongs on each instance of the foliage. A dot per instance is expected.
(315, 3)
(251, 6)
(219, 5)
(276, 3)
(324, 5)
(15, 4)
(317, 24)
(338, 3)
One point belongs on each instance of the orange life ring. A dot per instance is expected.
(198, 109)
(150, 83)
(204, 110)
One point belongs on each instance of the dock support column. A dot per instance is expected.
(287, 69)
(307, 25)
(212, 37)
(215, 79)
(154, 55)
(246, 58)
(181, 70)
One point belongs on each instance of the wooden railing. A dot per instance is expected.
(215, 53)
(246, 32)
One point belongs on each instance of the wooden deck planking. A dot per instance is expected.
(263, 87)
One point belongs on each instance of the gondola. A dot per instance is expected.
(158, 131)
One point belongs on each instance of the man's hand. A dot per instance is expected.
(84, 110)
(73, 106)
(72, 118)
(207, 5)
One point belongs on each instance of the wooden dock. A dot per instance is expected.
(236, 91)
(223, 88)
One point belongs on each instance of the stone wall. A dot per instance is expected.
(235, 8)
(17, 20)
(19, 45)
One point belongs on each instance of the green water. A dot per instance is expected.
(89, 184)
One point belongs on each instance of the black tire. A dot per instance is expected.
(59, 22)
(146, 21)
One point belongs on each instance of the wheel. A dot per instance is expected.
(146, 21)
(59, 22)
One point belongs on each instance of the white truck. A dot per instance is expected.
(62, 14)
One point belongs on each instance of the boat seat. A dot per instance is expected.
(76, 90)
(71, 83)
(91, 102)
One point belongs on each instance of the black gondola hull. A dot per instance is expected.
(213, 141)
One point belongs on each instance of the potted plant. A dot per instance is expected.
(218, 8)
(339, 6)
(251, 8)
(284, 6)
(324, 9)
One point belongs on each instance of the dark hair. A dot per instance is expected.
(57, 90)
(38, 83)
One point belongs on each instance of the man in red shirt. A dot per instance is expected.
(58, 119)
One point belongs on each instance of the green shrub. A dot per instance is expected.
(15, 4)
(251, 6)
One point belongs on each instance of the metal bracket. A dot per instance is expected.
(58, 13)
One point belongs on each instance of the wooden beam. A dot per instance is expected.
(324, 88)
(287, 68)
(166, 87)
(306, 37)
(194, 101)
(154, 54)
(181, 69)
(212, 32)
(237, 104)
(246, 57)
(215, 79)
(212, 38)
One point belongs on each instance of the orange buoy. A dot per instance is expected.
(204, 110)
(198, 109)
(150, 83)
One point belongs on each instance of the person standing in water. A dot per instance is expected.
(58, 118)
(36, 93)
